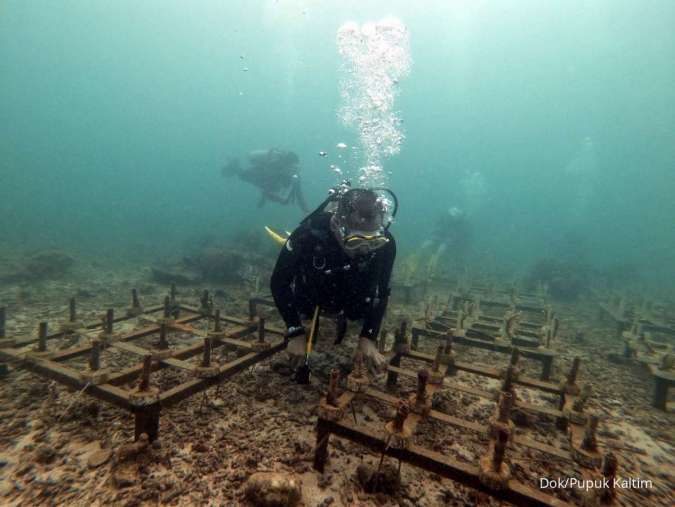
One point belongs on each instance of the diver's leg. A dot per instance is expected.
(290, 198)
(274, 198)
(341, 327)
(299, 197)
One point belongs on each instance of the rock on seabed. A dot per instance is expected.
(273, 489)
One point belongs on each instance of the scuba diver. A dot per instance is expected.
(275, 172)
(339, 260)
(452, 230)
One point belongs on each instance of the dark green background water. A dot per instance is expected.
(115, 118)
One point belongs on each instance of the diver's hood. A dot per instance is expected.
(361, 216)
(350, 207)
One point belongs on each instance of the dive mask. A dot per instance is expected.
(361, 220)
(359, 241)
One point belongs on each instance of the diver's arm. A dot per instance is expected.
(282, 276)
(375, 314)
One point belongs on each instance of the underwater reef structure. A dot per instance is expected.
(475, 322)
(211, 264)
(566, 280)
(165, 336)
(491, 474)
(434, 375)
(416, 273)
(41, 265)
(480, 388)
(647, 330)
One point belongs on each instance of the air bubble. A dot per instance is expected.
(375, 58)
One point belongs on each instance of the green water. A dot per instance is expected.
(115, 118)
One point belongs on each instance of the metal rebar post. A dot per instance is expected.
(460, 321)
(499, 448)
(403, 330)
(72, 310)
(332, 394)
(217, 325)
(435, 366)
(261, 330)
(609, 467)
(42, 337)
(401, 415)
(321, 448)
(109, 320)
(144, 385)
(135, 303)
(95, 357)
(167, 307)
(473, 309)
(399, 341)
(580, 401)
(574, 370)
(515, 355)
(163, 342)
(359, 369)
(448, 344)
(205, 302)
(507, 385)
(414, 338)
(505, 405)
(546, 367)
(661, 387)
(427, 314)
(252, 309)
(589, 442)
(422, 380)
(206, 357)
(172, 294)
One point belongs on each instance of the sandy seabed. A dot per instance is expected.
(62, 447)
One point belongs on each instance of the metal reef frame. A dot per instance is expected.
(145, 402)
(491, 475)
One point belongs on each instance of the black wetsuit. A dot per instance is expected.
(313, 269)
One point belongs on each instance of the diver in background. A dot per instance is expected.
(451, 231)
(339, 260)
(275, 172)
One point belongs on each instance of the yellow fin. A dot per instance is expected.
(278, 238)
